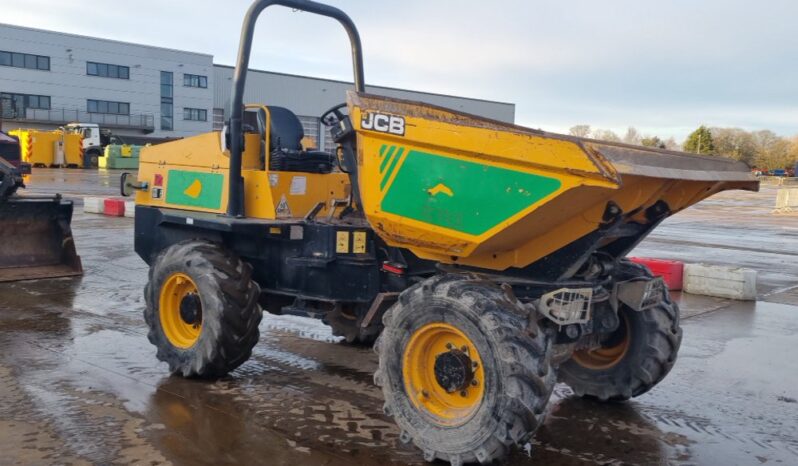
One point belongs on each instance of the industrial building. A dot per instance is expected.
(48, 79)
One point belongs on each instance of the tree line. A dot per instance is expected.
(762, 149)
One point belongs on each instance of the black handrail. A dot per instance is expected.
(235, 199)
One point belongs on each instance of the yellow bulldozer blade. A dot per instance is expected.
(460, 189)
(36, 239)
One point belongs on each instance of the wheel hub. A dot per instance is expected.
(180, 310)
(454, 370)
(443, 373)
(610, 352)
(191, 309)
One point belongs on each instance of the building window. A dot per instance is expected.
(14, 105)
(105, 106)
(24, 60)
(167, 101)
(105, 70)
(195, 114)
(195, 80)
(218, 119)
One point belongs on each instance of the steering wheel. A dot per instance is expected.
(334, 115)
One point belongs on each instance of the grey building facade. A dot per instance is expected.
(131, 89)
(49, 79)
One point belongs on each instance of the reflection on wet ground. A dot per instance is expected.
(79, 384)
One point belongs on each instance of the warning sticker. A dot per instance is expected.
(274, 178)
(283, 210)
(299, 185)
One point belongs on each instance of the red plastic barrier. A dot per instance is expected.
(114, 207)
(670, 271)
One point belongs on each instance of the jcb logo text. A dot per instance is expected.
(383, 123)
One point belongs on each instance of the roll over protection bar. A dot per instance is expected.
(235, 203)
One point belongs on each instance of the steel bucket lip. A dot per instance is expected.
(39, 273)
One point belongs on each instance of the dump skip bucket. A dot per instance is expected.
(36, 239)
(461, 189)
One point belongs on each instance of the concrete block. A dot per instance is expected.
(720, 281)
(93, 205)
(130, 209)
(670, 271)
(786, 200)
(114, 207)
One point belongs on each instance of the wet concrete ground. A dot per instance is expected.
(79, 383)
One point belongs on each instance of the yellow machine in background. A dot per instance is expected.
(488, 258)
(56, 148)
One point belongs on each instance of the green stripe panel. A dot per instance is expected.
(387, 158)
(194, 189)
(464, 196)
(391, 167)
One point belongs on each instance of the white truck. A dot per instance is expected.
(94, 141)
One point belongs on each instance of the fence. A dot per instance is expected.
(143, 122)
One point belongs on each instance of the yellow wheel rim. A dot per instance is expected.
(606, 357)
(181, 330)
(452, 391)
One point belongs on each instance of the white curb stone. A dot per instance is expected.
(93, 205)
(130, 209)
(719, 281)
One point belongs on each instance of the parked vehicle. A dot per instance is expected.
(10, 151)
(95, 140)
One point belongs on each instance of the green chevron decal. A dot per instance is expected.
(463, 196)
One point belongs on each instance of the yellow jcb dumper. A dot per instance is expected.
(35, 233)
(490, 258)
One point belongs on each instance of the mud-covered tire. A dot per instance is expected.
(230, 310)
(654, 340)
(515, 354)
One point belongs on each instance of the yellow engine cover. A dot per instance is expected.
(192, 174)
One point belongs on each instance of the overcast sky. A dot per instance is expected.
(664, 67)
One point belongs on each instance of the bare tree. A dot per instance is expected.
(581, 131)
(734, 143)
(794, 151)
(606, 135)
(671, 144)
(772, 151)
(632, 136)
(652, 141)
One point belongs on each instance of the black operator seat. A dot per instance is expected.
(285, 145)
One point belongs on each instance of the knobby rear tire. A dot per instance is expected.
(230, 310)
(655, 338)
